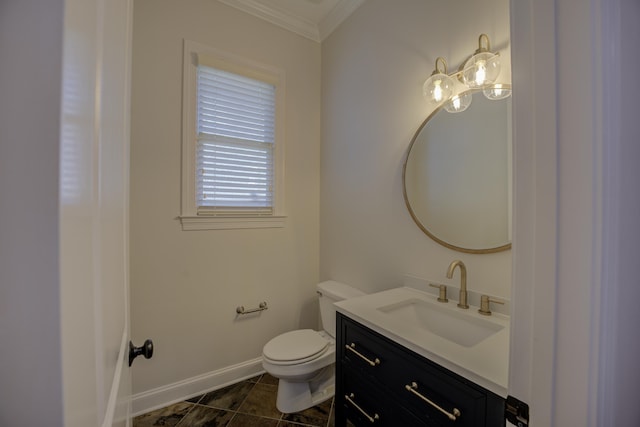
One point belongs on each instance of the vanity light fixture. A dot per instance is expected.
(480, 71)
(439, 86)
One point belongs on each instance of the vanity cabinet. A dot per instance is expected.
(381, 383)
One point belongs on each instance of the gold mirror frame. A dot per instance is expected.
(417, 220)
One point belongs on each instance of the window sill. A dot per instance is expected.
(190, 223)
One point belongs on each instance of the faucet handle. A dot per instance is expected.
(484, 304)
(442, 297)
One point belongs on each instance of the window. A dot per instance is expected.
(232, 149)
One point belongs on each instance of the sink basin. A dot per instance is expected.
(452, 324)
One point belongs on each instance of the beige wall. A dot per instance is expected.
(185, 286)
(373, 68)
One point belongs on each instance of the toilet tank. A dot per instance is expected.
(330, 292)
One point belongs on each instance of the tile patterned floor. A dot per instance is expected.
(250, 403)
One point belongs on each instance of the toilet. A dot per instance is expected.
(304, 360)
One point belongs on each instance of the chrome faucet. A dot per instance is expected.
(462, 302)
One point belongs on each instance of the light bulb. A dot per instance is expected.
(456, 102)
(481, 73)
(437, 91)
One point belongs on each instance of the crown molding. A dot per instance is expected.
(334, 18)
(297, 24)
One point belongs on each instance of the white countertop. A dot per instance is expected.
(486, 363)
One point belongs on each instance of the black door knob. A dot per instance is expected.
(145, 349)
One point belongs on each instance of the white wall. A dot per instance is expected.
(619, 385)
(30, 84)
(186, 285)
(373, 68)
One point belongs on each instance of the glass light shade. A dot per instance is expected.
(438, 88)
(481, 69)
(459, 103)
(497, 91)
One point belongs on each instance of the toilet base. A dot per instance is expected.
(298, 396)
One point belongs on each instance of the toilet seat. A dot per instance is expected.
(295, 347)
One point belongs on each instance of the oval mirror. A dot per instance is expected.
(457, 176)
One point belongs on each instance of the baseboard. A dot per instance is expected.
(166, 395)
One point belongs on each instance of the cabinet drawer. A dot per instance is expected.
(366, 404)
(363, 402)
(439, 397)
(364, 351)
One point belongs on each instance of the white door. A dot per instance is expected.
(94, 235)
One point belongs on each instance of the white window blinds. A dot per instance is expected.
(235, 144)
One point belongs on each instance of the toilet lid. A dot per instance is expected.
(296, 346)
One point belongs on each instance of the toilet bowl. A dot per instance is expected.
(304, 360)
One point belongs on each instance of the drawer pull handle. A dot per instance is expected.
(369, 417)
(413, 388)
(352, 348)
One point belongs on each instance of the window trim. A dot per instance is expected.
(189, 218)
